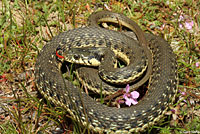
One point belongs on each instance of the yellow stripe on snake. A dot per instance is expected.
(157, 63)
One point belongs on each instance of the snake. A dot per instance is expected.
(162, 87)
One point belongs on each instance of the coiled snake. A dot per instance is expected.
(101, 118)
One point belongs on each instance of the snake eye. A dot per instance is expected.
(59, 54)
(76, 56)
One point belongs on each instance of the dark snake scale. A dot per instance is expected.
(98, 117)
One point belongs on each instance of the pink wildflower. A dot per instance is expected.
(197, 64)
(130, 98)
(189, 25)
(185, 22)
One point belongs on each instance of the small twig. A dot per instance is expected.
(118, 93)
(85, 88)
(120, 24)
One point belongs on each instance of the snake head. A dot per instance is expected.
(85, 55)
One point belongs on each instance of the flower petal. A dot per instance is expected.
(189, 25)
(135, 94)
(197, 64)
(134, 102)
(127, 88)
(127, 98)
(128, 101)
(180, 26)
(181, 18)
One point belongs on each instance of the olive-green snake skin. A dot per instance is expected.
(99, 117)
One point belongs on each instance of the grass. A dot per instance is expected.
(26, 26)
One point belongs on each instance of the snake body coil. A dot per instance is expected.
(101, 118)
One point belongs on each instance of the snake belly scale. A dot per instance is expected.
(101, 118)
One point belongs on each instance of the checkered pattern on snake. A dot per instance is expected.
(101, 118)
